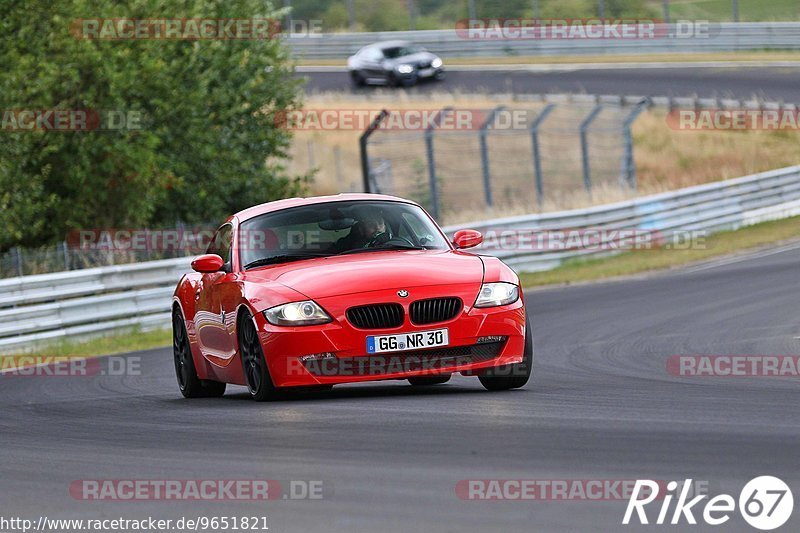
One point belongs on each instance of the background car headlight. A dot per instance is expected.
(494, 294)
(297, 314)
(405, 69)
(436, 63)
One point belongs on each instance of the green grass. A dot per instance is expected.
(635, 262)
(130, 341)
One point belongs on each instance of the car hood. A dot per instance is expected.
(422, 58)
(372, 271)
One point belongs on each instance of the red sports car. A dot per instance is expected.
(303, 294)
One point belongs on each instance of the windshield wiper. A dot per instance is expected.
(285, 258)
(382, 248)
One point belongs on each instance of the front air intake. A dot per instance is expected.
(435, 310)
(376, 316)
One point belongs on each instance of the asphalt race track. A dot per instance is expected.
(779, 84)
(601, 406)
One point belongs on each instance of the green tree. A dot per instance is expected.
(208, 145)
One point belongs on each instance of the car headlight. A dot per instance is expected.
(494, 294)
(405, 69)
(305, 313)
(436, 63)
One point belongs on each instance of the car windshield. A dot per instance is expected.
(335, 228)
(402, 51)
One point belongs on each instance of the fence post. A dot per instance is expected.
(537, 157)
(628, 165)
(363, 144)
(18, 256)
(587, 178)
(487, 178)
(65, 249)
(432, 183)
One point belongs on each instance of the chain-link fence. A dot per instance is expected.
(66, 256)
(503, 160)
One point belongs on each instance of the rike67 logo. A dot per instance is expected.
(765, 503)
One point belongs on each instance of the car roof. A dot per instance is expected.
(286, 203)
(392, 44)
(383, 45)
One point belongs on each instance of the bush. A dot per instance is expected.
(208, 144)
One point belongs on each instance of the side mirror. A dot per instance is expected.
(207, 263)
(467, 238)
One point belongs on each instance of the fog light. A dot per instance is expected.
(327, 356)
(491, 338)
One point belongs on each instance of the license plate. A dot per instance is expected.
(407, 341)
(426, 72)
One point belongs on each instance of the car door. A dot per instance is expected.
(210, 318)
(373, 64)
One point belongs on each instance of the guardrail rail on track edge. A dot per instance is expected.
(450, 43)
(80, 303)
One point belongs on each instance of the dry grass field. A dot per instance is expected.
(665, 158)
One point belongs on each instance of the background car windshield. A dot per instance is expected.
(401, 51)
(336, 227)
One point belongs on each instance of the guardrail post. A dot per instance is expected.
(587, 178)
(432, 180)
(628, 165)
(537, 157)
(487, 178)
(365, 171)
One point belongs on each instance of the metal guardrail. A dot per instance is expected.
(84, 302)
(722, 37)
(712, 207)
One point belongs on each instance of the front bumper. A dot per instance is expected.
(418, 73)
(347, 360)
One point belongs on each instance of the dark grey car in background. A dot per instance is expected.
(394, 63)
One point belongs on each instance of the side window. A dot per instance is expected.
(419, 234)
(374, 54)
(221, 243)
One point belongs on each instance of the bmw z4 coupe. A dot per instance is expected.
(303, 294)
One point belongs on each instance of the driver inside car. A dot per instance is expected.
(370, 230)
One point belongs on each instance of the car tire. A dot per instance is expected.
(254, 364)
(190, 385)
(512, 376)
(357, 79)
(426, 381)
(440, 76)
